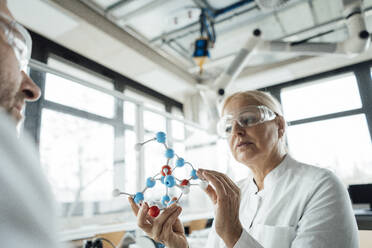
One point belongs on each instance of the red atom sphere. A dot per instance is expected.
(167, 168)
(185, 182)
(154, 211)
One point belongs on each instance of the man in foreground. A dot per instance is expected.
(27, 215)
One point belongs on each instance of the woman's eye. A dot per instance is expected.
(248, 120)
(228, 129)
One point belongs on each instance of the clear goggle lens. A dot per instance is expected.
(248, 117)
(18, 38)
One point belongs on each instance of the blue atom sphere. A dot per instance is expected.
(165, 200)
(162, 179)
(193, 174)
(150, 182)
(138, 197)
(160, 137)
(169, 181)
(169, 153)
(171, 202)
(180, 162)
(160, 245)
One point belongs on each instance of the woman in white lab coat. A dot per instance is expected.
(281, 204)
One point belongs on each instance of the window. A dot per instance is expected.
(66, 92)
(154, 122)
(129, 113)
(340, 141)
(69, 93)
(80, 72)
(83, 143)
(87, 139)
(77, 155)
(321, 97)
(341, 144)
(148, 101)
(178, 130)
(130, 184)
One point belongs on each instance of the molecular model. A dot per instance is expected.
(165, 176)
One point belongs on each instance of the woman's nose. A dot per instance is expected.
(28, 87)
(237, 129)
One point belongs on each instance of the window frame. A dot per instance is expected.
(362, 73)
(43, 49)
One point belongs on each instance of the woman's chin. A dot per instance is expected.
(246, 157)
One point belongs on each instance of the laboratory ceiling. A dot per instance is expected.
(153, 41)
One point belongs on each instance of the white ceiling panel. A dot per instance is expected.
(159, 20)
(49, 21)
(165, 83)
(367, 3)
(236, 22)
(105, 3)
(296, 18)
(270, 28)
(87, 39)
(327, 10)
(231, 42)
(336, 36)
(369, 23)
(126, 8)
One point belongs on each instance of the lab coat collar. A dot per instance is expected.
(272, 178)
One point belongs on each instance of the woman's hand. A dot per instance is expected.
(165, 228)
(225, 195)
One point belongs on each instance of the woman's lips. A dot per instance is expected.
(243, 144)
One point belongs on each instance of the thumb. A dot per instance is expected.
(133, 205)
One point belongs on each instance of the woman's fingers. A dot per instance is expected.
(224, 186)
(161, 219)
(231, 183)
(135, 209)
(133, 205)
(216, 182)
(223, 178)
(168, 224)
(142, 218)
(228, 183)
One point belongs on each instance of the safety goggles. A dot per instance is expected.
(18, 38)
(247, 117)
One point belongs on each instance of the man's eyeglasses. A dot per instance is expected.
(18, 38)
(247, 117)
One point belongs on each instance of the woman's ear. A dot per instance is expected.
(281, 125)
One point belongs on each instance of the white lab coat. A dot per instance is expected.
(27, 209)
(301, 206)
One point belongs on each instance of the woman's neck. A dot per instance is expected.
(264, 166)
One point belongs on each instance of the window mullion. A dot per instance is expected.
(363, 76)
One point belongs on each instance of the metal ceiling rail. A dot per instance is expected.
(331, 23)
(92, 17)
(116, 5)
(142, 10)
(252, 20)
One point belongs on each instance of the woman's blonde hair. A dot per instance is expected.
(263, 98)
